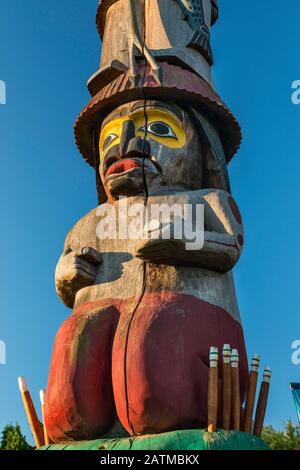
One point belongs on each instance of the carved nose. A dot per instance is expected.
(128, 133)
(135, 148)
(138, 148)
(111, 156)
(131, 146)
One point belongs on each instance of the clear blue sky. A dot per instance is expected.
(47, 52)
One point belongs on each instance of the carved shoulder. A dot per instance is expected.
(83, 233)
(221, 212)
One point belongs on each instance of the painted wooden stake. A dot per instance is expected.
(226, 387)
(235, 391)
(42, 399)
(262, 402)
(32, 417)
(212, 405)
(251, 392)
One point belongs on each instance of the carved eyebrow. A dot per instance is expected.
(117, 114)
(159, 105)
(111, 117)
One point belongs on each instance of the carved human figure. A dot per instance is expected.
(149, 30)
(146, 311)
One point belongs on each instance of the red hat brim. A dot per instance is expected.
(177, 85)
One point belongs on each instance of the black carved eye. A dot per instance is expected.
(159, 129)
(109, 139)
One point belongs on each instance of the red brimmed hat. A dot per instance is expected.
(177, 85)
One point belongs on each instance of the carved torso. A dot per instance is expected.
(121, 274)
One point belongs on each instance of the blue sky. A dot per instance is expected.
(47, 52)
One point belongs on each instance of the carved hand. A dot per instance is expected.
(74, 271)
(159, 246)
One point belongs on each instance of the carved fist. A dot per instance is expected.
(160, 243)
(74, 271)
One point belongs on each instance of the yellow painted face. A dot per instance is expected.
(162, 126)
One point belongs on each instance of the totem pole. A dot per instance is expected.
(146, 311)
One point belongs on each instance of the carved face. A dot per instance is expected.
(152, 149)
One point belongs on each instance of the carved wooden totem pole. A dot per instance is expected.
(146, 311)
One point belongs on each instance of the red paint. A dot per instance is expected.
(166, 361)
(122, 165)
(79, 400)
(240, 239)
(150, 363)
(235, 210)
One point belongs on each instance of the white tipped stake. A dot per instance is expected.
(255, 362)
(234, 360)
(251, 392)
(43, 401)
(22, 384)
(213, 357)
(42, 396)
(212, 404)
(262, 402)
(235, 391)
(226, 353)
(267, 374)
(226, 387)
(32, 417)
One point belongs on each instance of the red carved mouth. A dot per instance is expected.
(121, 166)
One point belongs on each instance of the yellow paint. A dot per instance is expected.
(114, 128)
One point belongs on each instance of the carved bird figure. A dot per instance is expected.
(193, 13)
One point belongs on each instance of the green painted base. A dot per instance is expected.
(194, 439)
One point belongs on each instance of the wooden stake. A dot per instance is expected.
(212, 405)
(262, 402)
(226, 388)
(42, 399)
(235, 391)
(251, 392)
(32, 417)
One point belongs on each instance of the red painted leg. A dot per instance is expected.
(162, 384)
(79, 399)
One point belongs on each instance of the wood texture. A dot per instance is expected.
(250, 401)
(178, 440)
(213, 392)
(33, 420)
(235, 392)
(213, 401)
(262, 403)
(226, 388)
(261, 409)
(46, 435)
(251, 393)
(143, 303)
(177, 31)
